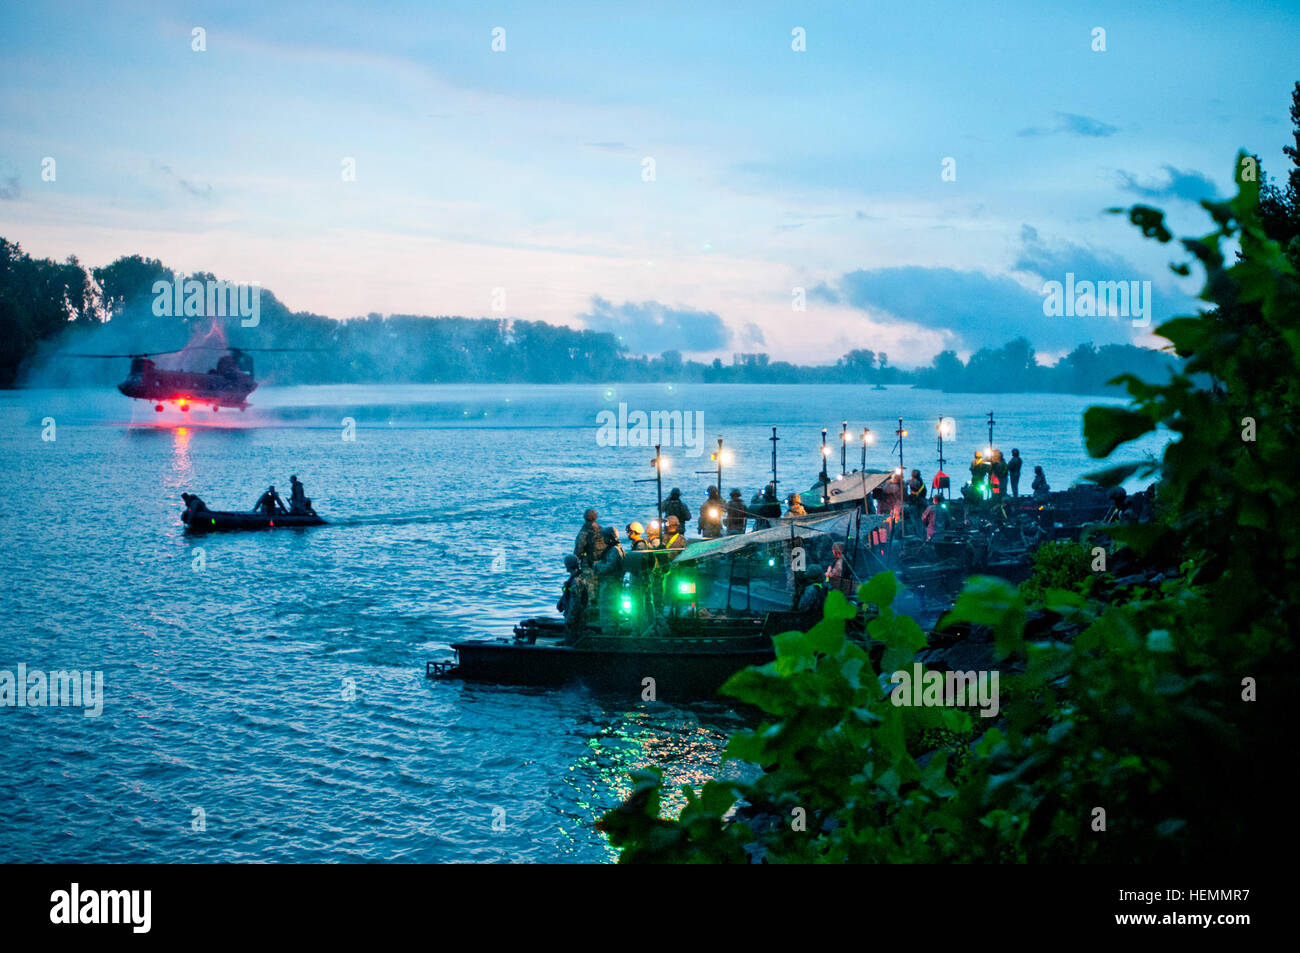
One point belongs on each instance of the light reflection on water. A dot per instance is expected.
(225, 686)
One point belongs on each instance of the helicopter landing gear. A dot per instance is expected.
(158, 407)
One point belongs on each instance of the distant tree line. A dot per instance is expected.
(47, 308)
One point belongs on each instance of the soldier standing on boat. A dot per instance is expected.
(573, 600)
(590, 543)
(1013, 470)
(835, 572)
(735, 514)
(611, 562)
(675, 507)
(768, 508)
(979, 474)
(672, 539)
(916, 493)
(711, 515)
(998, 473)
(935, 518)
(636, 537)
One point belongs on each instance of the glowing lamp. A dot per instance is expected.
(686, 588)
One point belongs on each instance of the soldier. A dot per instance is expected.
(193, 506)
(1040, 487)
(672, 538)
(813, 596)
(636, 537)
(935, 517)
(735, 514)
(269, 503)
(573, 600)
(590, 543)
(1013, 470)
(675, 507)
(299, 505)
(769, 508)
(611, 563)
(711, 515)
(998, 473)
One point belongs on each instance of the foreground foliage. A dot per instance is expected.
(1148, 724)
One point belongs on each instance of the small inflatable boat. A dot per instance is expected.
(210, 521)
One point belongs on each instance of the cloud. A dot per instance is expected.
(610, 146)
(1073, 124)
(752, 335)
(1186, 184)
(649, 327)
(974, 309)
(203, 192)
(10, 191)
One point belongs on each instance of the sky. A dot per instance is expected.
(516, 182)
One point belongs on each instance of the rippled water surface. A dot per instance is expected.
(227, 660)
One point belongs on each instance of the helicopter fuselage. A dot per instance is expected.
(226, 386)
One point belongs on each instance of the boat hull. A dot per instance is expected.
(213, 521)
(679, 671)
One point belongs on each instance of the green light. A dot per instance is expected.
(686, 588)
(771, 562)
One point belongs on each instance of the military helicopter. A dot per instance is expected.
(228, 384)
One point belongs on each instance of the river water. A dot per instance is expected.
(264, 693)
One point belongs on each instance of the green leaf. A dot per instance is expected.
(1105, 428)
(879, 590)
(992, 738)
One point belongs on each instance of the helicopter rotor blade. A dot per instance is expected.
(136, 354)
(204, 347)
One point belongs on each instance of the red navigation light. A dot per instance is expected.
(272, 522)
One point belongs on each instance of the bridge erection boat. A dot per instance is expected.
(682, 628)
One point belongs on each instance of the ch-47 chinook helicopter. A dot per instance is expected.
(227, 384)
